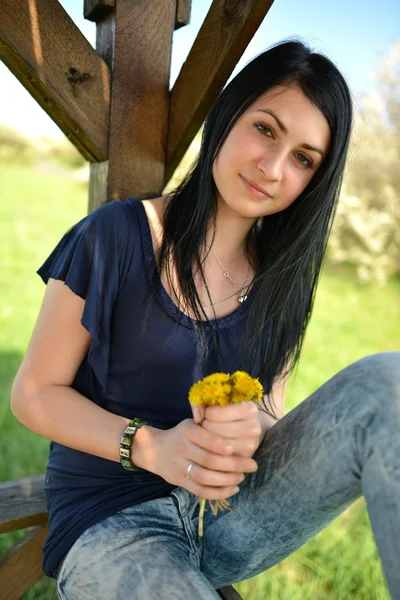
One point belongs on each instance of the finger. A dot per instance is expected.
(216, 462)
(210, 493)
(200, 437)
(234, 429)
(198, 412)
(209, 478)
(231, 412)
(246, 447)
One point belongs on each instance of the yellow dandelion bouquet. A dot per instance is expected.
(220, 389)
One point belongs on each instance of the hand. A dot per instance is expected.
(216, 471)
(238, 423)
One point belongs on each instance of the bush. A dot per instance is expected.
(66, 154)
(14, 147)
(367, 236)
(365, 231)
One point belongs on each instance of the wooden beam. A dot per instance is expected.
(45, 50)
(229, 593)
(140, 97)
(21, 565)
(182, 13)
(98, 10)
(227, 30)
(22, 503)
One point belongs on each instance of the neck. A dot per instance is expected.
(228, 241)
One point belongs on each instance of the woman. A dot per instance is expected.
(145, 298)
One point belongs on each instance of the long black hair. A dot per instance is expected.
(291, 243)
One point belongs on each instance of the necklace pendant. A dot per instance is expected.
(242, 298)
(227, 275)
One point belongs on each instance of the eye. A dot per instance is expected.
(264, 129)
(304, 160)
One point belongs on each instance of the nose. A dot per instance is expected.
(272, 165)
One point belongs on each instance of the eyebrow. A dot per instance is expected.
(283, 128)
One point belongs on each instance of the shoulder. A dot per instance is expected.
(116, 212)
(116, 220)
(154, 210)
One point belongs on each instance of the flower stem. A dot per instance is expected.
(202, 502)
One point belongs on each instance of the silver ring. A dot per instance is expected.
(190, 467)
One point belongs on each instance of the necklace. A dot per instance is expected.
(243, 297)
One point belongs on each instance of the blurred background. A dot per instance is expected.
(43, 191)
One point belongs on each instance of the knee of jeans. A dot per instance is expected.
(380, 374)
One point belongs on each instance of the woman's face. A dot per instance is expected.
(271, 153)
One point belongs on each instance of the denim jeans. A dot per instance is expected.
(340, 443)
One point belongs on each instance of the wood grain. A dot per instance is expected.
(182, 16)
(229, 593)
(21, 565)
(60, 69)
(22, 503)
(140, 97)
(97, 10)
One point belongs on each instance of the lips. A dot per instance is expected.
(254, 188)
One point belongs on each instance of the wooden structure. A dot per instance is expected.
(114, 104)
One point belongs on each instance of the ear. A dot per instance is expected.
(199, 413)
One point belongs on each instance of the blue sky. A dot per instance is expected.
(353, 33)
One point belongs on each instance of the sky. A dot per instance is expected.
(352, 33)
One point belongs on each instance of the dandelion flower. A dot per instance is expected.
(220, 389)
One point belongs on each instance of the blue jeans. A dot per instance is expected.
(341, 442)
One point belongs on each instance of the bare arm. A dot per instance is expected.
(41, 396)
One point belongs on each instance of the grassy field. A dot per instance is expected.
(349, 322)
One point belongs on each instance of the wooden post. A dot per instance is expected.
(102, 12)
(140, 61)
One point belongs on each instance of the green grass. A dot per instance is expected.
(349, 322)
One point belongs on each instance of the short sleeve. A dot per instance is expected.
(92, 259)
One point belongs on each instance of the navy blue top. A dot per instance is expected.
(135, 367)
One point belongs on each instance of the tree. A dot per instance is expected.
(365, 232)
